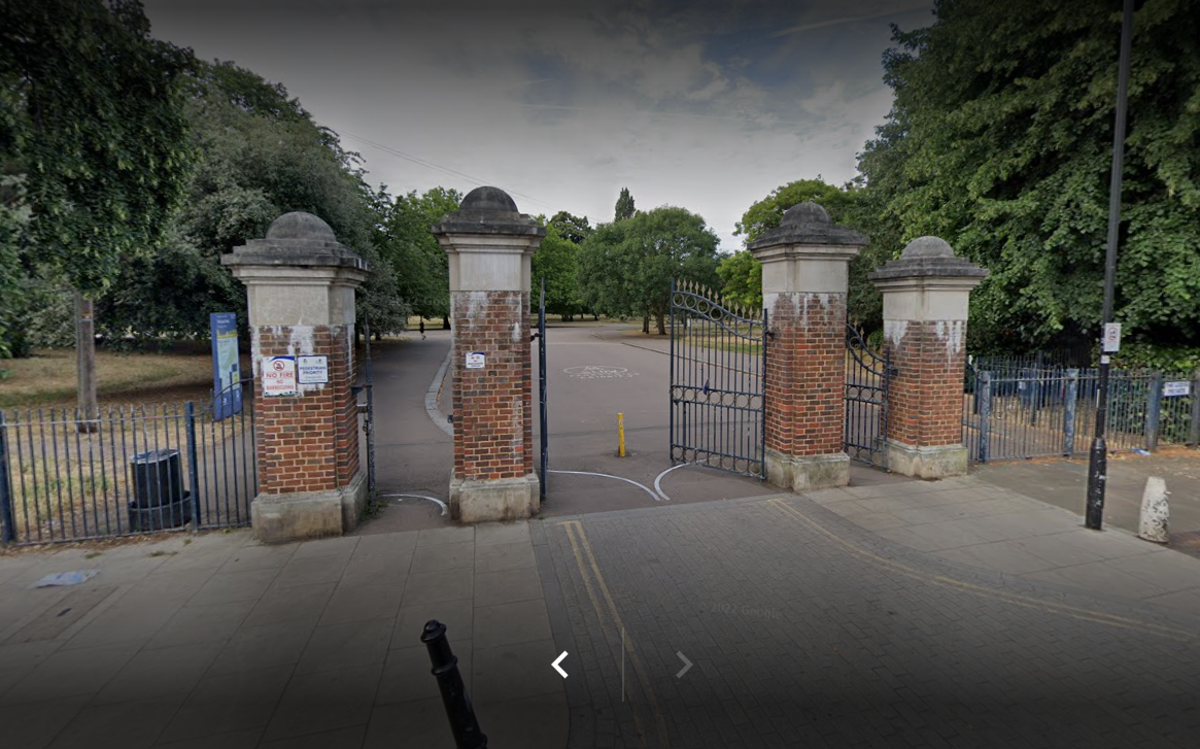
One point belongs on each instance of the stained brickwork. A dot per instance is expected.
(925, 397)
(806, 374)
(308, 442)
(493, 406)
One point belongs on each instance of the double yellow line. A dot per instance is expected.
(781, 506)
(602, 602)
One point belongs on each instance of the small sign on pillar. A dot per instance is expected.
(279, 376)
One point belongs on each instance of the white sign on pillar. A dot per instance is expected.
(279, 376)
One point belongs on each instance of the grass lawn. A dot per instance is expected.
(48, 378)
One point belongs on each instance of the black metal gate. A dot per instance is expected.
(542, 413)
(718, 379)
(867, 375)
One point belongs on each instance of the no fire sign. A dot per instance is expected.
(279, 376)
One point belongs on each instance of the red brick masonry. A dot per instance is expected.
(806, 374)
(925, 398)
(308, 442)
(493, 406)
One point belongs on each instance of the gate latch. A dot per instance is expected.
(535, 336)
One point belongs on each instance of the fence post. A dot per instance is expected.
(984, 387)
(193, 472)
(1069, 412)
(8, 524)
(1153, 409)
(1194, 431)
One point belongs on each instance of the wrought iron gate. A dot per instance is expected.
(542, 413)
(867, 375)
(718, 378)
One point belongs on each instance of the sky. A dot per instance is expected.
(705, 105)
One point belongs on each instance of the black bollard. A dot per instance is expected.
(463, 725)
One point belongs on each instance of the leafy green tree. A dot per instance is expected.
(571, 228)
(406, 240)
(1000, 141)
(557, 260)
(91, 119)
(624, 208)
(259, 154)
(627, 266)
(741, 279)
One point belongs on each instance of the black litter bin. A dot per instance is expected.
(159, 500)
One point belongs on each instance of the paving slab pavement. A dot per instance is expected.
(888, 613)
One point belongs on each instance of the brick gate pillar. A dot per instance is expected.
(490, 247)
(805, 279)
(925, 294)
(300, 286)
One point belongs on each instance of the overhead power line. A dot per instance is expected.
(437, 167)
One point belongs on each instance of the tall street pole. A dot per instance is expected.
(1098, 460)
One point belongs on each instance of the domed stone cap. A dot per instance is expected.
(296, 239)
(488, 210)
(807, 223)
(300, 225)
(807, 212)
(928, 256)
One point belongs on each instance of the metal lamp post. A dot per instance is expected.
(1098, 459)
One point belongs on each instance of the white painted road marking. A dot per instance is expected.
(439, 502)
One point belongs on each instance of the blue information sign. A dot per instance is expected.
(227, 376)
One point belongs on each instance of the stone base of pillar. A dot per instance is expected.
(808, 472)
(297, 516)
(936, 462)
(486, 500)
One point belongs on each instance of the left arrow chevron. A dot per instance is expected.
(557, 667)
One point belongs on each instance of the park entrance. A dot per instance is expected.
(718, 378)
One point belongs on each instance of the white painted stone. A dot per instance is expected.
(1152, 524)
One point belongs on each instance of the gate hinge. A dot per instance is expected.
(770, 333)
(893, 372)
(535, 336)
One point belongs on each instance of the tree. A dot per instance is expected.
(92, 116)
(557, 260)
(571, 228)
(259, 154)
(1000, 141)
(624, 207)
(405, 238)
(628, 265)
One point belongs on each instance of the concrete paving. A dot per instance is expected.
(888, 613)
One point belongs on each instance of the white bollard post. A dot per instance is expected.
(1152, 525)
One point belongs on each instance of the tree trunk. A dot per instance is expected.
(662, 323)
(85, 354)
(646, 324)
(445, 322)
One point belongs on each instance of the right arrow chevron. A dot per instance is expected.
(686, 665)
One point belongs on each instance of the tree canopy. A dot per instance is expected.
(627, 266)
(93, 141)
(406, 240)
(1000, 141)
(624, 208)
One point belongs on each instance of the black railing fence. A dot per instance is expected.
(1012, 410)
(126, 470)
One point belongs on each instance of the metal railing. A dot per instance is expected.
(1011, 411)
(127, 470)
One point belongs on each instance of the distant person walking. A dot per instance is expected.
(422, 328)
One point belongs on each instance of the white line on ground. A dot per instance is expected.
(610, 476)
(659, 478)
(439, 502)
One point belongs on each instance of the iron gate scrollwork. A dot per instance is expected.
(867, 376)
(718, 378)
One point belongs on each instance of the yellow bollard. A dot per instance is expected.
(620, 435)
